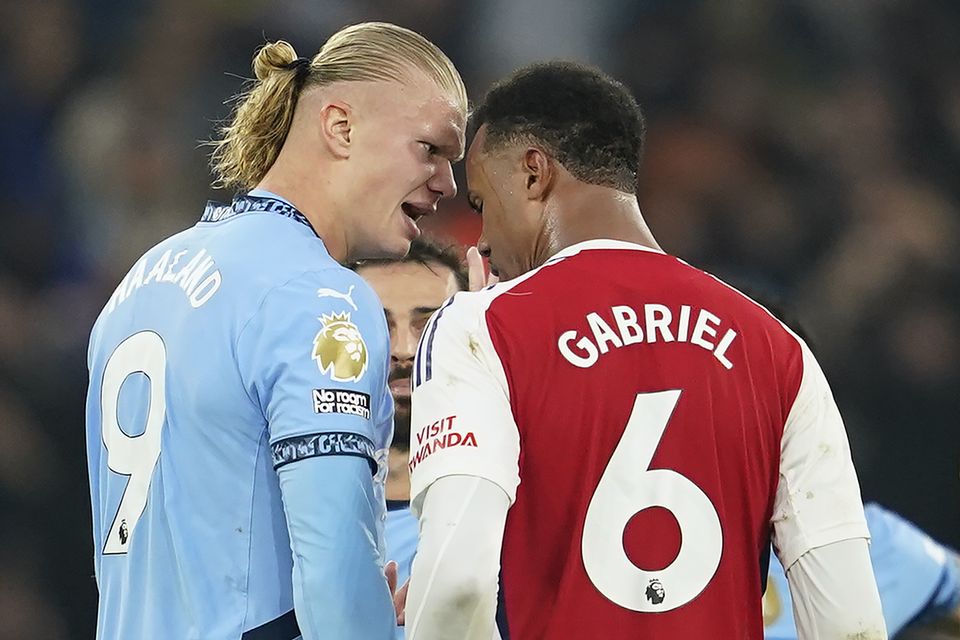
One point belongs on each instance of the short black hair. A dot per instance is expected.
(425, 251)
(585, 119)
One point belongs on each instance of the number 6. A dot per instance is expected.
(629, 486)
(134, 456)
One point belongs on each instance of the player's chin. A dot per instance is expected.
(500, 273)
(396, 248)
(396, 241)
(408, 226)
(391, 244)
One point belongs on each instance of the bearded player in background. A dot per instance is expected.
(700, 426)
(411, 289)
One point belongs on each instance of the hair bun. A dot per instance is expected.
(274, 56)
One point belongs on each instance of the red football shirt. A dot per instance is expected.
(650, 425)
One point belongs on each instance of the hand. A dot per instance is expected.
(400, 603)
(477, 275)
(399, 597)
(390, 572)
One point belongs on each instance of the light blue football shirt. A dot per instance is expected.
(917, 577)
(402, 533)
(238, 401)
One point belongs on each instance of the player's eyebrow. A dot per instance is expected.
(450, 150)
(449, 143)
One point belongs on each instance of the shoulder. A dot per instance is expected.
(323, 289)
(269, 248)
(466, 313)
(281, 262)
(458, 336)
(470, 308)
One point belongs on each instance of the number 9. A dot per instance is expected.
(134, 456)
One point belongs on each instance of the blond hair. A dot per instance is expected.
(371, 51)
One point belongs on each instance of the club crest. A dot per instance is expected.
(339, 348)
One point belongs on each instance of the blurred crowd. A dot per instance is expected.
(804, 150)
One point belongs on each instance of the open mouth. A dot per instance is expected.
(417, 211)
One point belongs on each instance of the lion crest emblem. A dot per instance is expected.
(339, 348)
(655, 592)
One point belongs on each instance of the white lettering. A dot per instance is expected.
(119, 294)
(704, 320)
(206, 289)
(169, 275)
(721, 351)
(579, 350)
(684, 323)
(602, 333)
(190, 283)
(584, 344)
(136, 280)
(626, 319)
(188, 268)
(658, 317)
(194, 278)
(158, 268)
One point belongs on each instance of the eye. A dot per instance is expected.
(419, 324)
(475, 203)
(432, 149)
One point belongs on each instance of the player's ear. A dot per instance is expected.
(539, 173)
(336, 128)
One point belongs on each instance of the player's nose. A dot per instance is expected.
(442, 182)
(403, 346)
(483, 247)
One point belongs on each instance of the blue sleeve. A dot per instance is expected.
(338, 586)
(917, 576)
(314, 358)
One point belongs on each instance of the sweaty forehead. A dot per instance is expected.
(484, 162)
(476, 151)
(437, 116)
(442, 112)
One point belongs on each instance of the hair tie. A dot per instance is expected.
(301, 66)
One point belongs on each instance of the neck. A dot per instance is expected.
(398, 477)
(310, 195)
(579, 212)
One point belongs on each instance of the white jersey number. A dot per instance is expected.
(135, 456)
(629, 486)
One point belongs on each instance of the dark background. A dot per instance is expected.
(808, 149)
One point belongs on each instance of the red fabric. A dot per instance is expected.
(724, 436)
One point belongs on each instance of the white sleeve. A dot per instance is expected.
(818, 497)
(455, 576)
(835, 594)
(461, 420)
